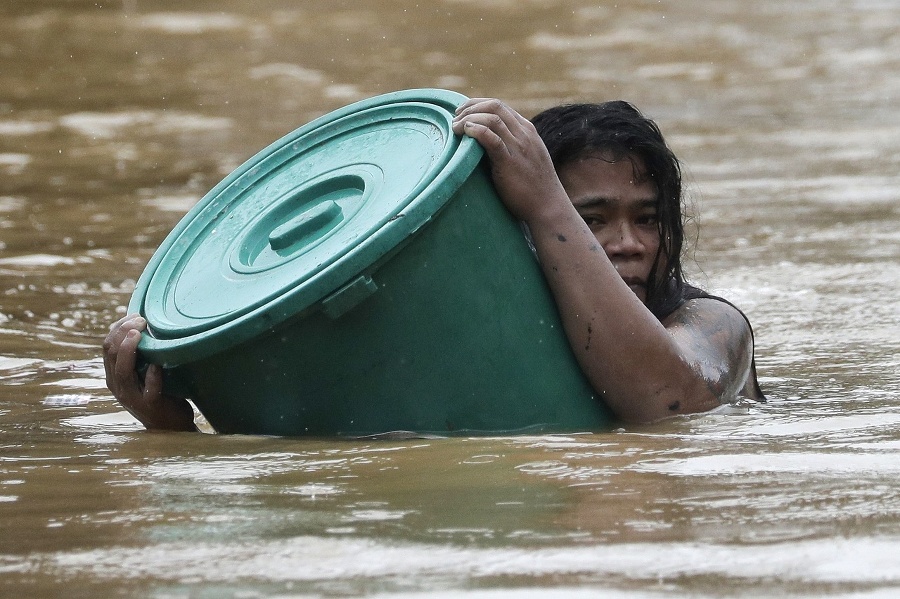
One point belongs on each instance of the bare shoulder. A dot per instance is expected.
(710, 318)
(717, 340)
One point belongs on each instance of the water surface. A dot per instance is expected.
(116, 117)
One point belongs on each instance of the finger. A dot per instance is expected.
(493, 142)
(484, 106)
(481, 106)
(523, 122)
(124, 376)
(514, 123)
(114, 339)
(108, 367)
(469, 103)
(120, 328)
(119, 322)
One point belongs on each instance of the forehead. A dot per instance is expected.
(595, 180)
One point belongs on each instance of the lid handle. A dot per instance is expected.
(304, 224)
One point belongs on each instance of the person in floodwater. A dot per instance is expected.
(600, 193)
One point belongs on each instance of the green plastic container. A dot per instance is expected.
(360, 276)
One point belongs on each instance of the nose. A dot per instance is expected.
(623, 241)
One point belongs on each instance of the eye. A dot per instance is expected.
(648, 220)
(593, 221)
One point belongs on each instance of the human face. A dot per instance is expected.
(620, 210)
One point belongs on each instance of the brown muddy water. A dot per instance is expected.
(115, 117)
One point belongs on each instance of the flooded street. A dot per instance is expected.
(115, 118)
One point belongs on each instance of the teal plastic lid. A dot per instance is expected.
(299, 220)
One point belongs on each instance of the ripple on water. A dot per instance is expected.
(41, 260)
(14, 164)
(819, 463)
(859, 560)
(832, 429)
(188, 23)
(111, 124)
(13, 363)
(22, 128)
(180, 204)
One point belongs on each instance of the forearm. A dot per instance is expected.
(625, 352)
(640, 370)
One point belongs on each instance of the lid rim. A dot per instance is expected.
(442, 180)
(209, 250)
(445, 98)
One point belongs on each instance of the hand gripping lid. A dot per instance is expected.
(300, 219)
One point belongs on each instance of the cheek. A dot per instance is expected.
(602, 236)
(652, 243)
(661, 261)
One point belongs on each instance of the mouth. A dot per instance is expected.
(638, 285)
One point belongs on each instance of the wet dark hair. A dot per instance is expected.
(615, 131)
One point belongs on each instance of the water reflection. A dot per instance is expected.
(615, 510)
(116, 118)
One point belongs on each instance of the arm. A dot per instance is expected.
(717, 341)
(146, 402)
(644, 370)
